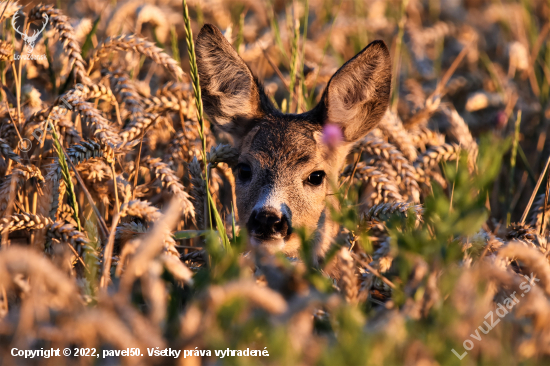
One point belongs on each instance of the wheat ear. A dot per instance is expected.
(7, 152)
(382, 188)
(66, 35)
(89, 149)
(379, 149)
(6, 51)
(385, 211)
(348, 280)
(140, 45)
(171, 183)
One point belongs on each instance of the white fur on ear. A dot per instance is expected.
(357, 95)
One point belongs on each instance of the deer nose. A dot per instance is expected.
(268, 223)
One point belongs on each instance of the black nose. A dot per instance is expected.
(268, 223)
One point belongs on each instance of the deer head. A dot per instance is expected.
(284, 167)
(30, 40)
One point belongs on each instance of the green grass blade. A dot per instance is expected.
(233, 224)
(513, 168)
(88, 45)
(303, 60)
(66, 175)
(174, 44)
(194, 72)
(276, 30)
(240, 36)
(158, 43)
(189, 234)
(294, 62)
(219, 223)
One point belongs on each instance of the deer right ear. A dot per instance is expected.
(358, 94)
(231, 96)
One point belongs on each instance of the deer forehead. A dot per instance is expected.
(283, 144)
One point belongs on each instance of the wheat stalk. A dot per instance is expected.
(137, 127)
(9, 9)
(24, 221)
(167, 101)
(537, 214)
(126, 91)
(263, 297)
(129, 230)
(422, 137)
(459, 129)
(162, 104)
(294, 60)
(198, 191)
(392, 128)
(438, 31)
(14, 182)
(98, 125)
(171, 183)
(196, 84)
(172, 96)
(527, 234)
(60, 290)
(55, 187)
(7, 152)
(434, 156)
(347, 280)
(67, 233)
(211, 207)
(97, 91)
(89, 149)
(142, 209)
(383, 190)
(135, 208)
(385, 211)
(139, 45)
(154, 15)
(222, 154)
(533, 259)
(66, 175)
(6, 51)
(386, 152)
(58, 230)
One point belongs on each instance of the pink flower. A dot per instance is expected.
(500, 120)
(332, 136)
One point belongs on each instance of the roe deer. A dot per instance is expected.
(283, 168)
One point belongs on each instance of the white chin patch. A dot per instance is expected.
(272, 245)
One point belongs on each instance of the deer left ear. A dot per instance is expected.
(358, 94)
(232, 98)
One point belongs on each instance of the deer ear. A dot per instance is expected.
(357, 95)
(231, 96)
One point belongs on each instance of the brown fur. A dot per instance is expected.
(282, 150)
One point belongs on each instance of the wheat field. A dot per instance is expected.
(119, 236)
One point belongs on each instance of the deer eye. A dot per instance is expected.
(316, 178)
(244, 172)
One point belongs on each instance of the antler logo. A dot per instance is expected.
(29, 40)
